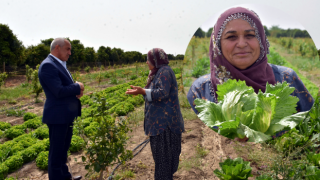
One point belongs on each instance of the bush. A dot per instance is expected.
(28, 154)
(14, 162)
(87, 69)
(3, 171)
(90, 130)
(4, 125)
(29, 115)
(42, 132)
(77, 143)
(133, 77)
(42, 160)
(16, 148)
(176, 70)
(202, 67)
(13, 132)
(34, 123)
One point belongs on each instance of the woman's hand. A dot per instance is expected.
(136, 90)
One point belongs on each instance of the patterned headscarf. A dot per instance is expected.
(259, 73)
(158, 58)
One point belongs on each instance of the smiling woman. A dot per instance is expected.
(239, 44)
(238, 50)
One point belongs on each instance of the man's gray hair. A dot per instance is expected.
(57, 41)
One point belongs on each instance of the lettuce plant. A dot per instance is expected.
(241, 112)
(233, 169)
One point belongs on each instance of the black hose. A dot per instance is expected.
(144, 143)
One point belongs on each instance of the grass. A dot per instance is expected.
(136, 116)
(195, 161)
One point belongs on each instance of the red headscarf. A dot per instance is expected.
(259, 73)
(158, 58)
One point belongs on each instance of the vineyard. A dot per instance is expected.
(111, 125)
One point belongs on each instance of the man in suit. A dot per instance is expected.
(62, 106)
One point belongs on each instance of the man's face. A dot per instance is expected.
(65, 51)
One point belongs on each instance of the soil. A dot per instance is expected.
(196, 133)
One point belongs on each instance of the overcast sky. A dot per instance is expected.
(143, 24)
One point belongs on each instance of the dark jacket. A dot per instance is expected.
(61, 106)
(164, 109)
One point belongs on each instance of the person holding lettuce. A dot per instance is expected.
(238, 50)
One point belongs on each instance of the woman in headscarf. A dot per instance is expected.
(238, 50)
(163, 120)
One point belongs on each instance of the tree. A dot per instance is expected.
(47, 42)
(170, 56)
(179, 57)
(11, 49)
(208, 34)
(90, 55)
(114, 56)
(102, 55)
(266, 30)
(36, 54)
(199, 33)
(77, 52)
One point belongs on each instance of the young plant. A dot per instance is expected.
(233, 169)
(3, 77)
(87, 69)
(106, 145)
(36, 86)
(127, 73)
(99, 78)
(76, 76)
(28, 73)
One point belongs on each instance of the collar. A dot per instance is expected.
(63, 63)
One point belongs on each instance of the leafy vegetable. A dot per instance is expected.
(233, 169)
(241, 112)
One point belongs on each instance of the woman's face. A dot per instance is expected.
(150, 65)
(239, 44)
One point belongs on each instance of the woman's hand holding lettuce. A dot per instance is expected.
(243, 113)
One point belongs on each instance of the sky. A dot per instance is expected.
(143, 24)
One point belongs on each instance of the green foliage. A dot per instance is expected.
(42, 160)
(36, 54)
(33, 123)
(77, 143)
(3, 77)
(133, 77)
(241, 112)
(202, 67)
(106, 146)
(264, 177)
(3, 171)
(29, 115)
(14, 132)
(275, 58)
(15, 112)
(4, 125)
(14, 163)
(36, 86)
(87, 69)
(233, 169)
(11, 49)
(42, 132)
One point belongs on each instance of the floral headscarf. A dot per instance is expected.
(259, 73)
(158, 58)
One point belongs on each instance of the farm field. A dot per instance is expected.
(202, 148)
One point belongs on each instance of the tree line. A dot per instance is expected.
(274, 31)
(14, 53)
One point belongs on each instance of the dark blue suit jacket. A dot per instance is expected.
(61, 106)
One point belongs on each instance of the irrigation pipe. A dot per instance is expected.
(144, 143)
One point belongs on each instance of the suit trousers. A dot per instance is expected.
(60, 139)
